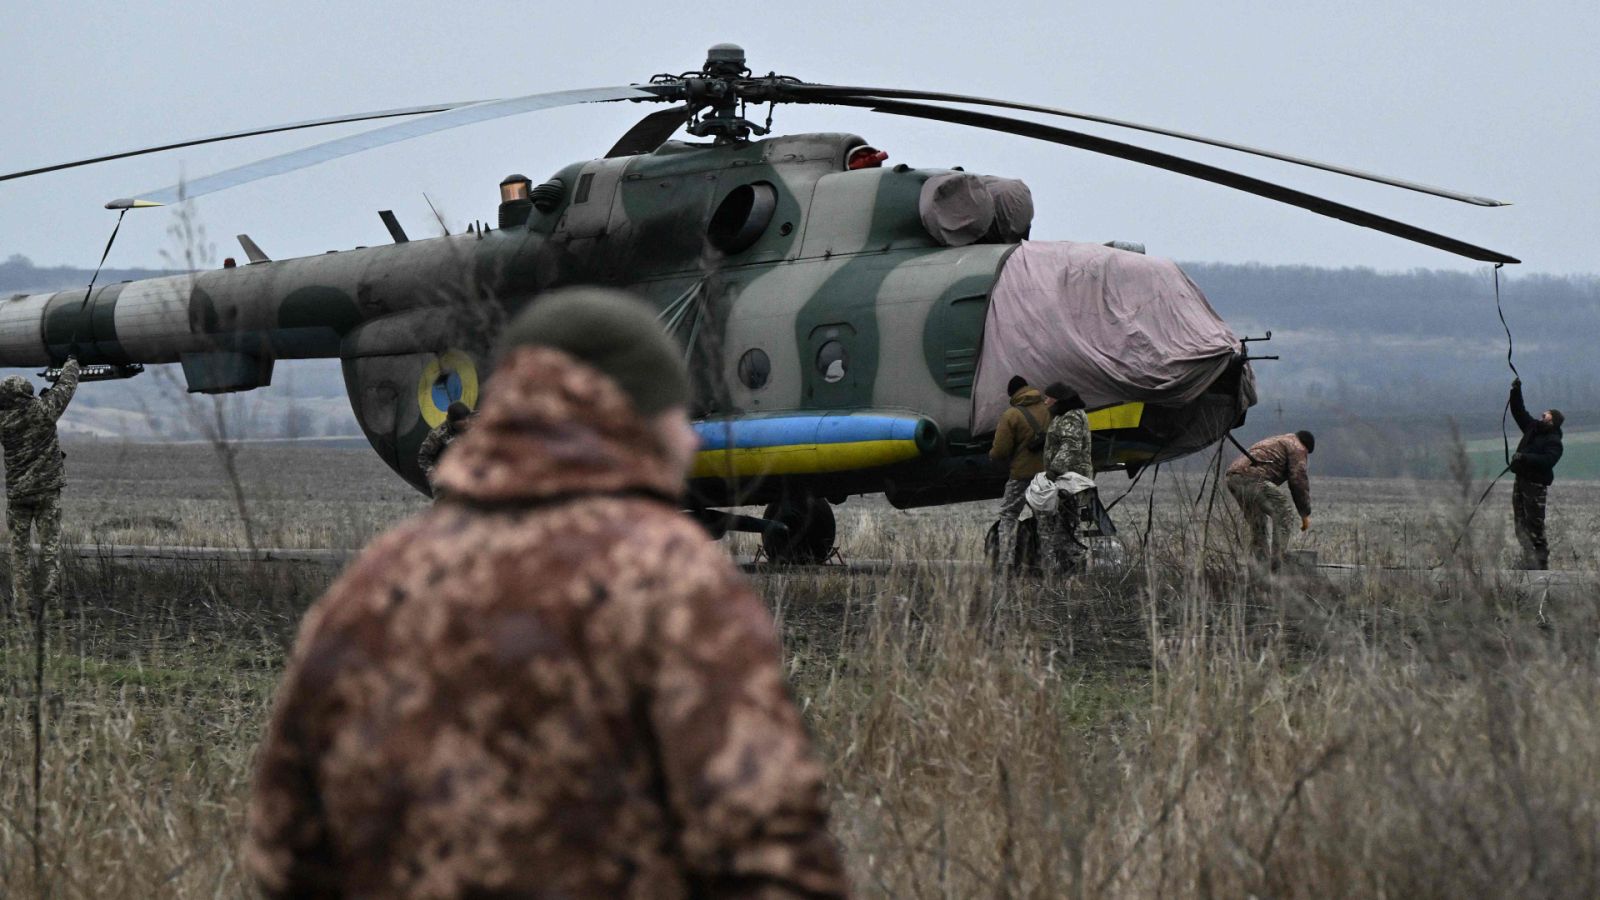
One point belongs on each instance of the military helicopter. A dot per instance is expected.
(851, 325)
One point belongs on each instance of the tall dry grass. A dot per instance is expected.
(1184, 727)
(1283, 740)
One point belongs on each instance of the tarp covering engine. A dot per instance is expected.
(958, 209)
(1115, 326)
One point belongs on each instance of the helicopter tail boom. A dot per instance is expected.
(227, 325)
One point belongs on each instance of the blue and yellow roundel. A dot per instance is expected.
(449, 377)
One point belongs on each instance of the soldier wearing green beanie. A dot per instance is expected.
(553, 635)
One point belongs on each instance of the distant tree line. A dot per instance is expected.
(19, 274)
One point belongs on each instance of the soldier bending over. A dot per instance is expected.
(1253, 481)
(552, 683)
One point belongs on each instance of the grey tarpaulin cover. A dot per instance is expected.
(1013, 208)
(960, 209)
(956, 208)
(1116, 326)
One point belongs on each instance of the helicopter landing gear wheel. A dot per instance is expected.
(811, 526)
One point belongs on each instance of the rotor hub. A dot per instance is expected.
(719, 93)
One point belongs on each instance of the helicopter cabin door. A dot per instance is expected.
(832, 380)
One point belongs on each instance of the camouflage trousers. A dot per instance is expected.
(1012, 503)
(1060, 551)
(1527, 508)
(1266, 509)
(35, 518)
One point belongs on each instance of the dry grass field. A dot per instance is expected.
(1183, 726)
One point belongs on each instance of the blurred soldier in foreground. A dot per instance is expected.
(1019, 445)
(1253, 481)
(552, 683)
(34, 479)
(1067, 448)
(434, 445)
(1534, 464)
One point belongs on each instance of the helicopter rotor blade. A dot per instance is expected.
(823, 93)
(389, 134)
(650, 132)
(248, 132)
(1171, 163)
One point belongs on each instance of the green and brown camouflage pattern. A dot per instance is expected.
(28, 433)
(550, 684)
(1067, 447)
(35, 518)
(844, 258)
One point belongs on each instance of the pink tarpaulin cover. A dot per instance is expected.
(1114, 325)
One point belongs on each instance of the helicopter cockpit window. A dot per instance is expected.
(742, 217)
(831, 362)
(755, 368)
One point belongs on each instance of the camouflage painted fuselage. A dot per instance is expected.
(841, 301)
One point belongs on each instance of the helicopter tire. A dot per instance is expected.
(812, 529)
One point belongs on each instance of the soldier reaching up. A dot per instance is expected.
(34, 479)
(1534, 464)
(552, 683)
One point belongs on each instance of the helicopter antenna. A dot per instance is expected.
(436, 215)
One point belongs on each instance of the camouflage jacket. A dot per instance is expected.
(433, 446)
(551, 684)
(28, 433)
(1277, 460)
(1027, 417)
(1067, 447)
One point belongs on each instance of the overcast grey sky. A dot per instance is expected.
(1488, 97)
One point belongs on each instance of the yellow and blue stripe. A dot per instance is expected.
(1111, 418)
(810, 444)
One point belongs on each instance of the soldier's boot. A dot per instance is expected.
(1049, 544)
(1005, 545)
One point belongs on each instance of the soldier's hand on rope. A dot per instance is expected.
(1305, 523)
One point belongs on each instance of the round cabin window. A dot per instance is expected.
(755, 368)
(831, 362)
(742, 217)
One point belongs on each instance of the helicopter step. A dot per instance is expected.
(97, 372)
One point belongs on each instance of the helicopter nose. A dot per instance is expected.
(1112, 324)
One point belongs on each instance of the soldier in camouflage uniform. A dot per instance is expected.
(34, 479)
(1253, 481)
(1067, 448)
(552, 683)
(438, 440)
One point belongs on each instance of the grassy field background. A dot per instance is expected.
(1580, 455)
(1183, 726)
